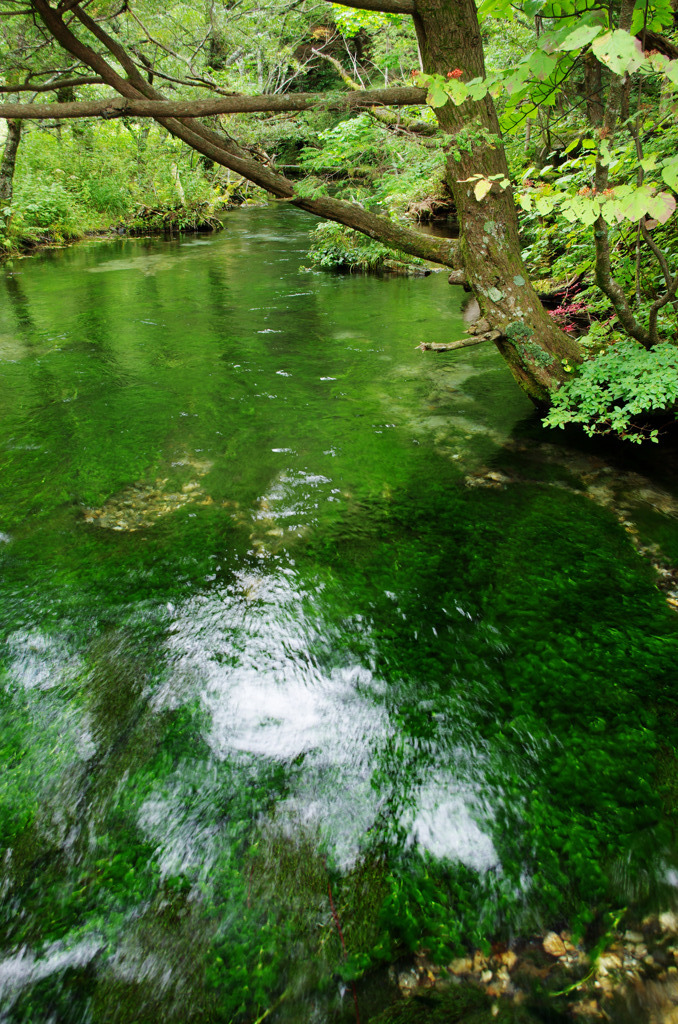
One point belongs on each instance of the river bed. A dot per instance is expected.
(318, 649)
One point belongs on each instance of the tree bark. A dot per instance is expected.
(593, 89)
(8, 165)
(118, 106)
(533, 346)
(52, 86)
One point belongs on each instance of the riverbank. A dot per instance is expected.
(32, 245)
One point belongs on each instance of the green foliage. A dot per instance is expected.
(614, 389)
(459, 1005)
(89, 177)
(335, 247)
(347, 143)
(44, 205)
(350, 23)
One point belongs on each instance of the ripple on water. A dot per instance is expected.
(257, 655)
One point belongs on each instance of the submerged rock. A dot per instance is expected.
(142, 505)
(554, 945)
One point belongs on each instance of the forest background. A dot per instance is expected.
(564, 111)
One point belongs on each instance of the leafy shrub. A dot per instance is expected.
(335, 247)
(108, 195)
(44, 205)
(345, 144)
(616, 388)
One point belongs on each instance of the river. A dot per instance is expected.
(318, 649)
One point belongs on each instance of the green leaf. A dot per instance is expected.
(545, 204)
(670, 172)
(437, 96)
(581, 36)
(517, 80)
(662, 206)
(457, 91)
(478, 88)
(638, 19)
(542, 64)
(581, 208)
(619, 50)
(610, 211)
(635, 205)
(495, 8)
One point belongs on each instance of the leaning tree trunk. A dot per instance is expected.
(8, 165)
(535, 349)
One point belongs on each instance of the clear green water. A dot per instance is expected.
(268, 650)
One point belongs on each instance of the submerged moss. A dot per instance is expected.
(349, 692)
(462, 1005)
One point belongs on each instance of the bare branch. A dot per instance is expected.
(65, 83)
(451, 346)
(156, 42)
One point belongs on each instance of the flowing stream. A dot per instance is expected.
(316, 648)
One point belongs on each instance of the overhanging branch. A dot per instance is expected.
(121, 106)
(384, 6)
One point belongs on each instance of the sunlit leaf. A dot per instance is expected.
(635, 205)
(457, 91)
(580, 36)
(671, 71)
(670, 172)
(662, 206)
(610, 211)
(437, 97)
(482, 188)
(544, 205)
(619, 50)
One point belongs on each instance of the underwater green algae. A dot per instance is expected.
(462, 1006)
(321, 685)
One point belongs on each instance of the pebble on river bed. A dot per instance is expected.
(638, 969)
(143, 504)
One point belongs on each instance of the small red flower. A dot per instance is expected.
(414, 73)
(457, 73)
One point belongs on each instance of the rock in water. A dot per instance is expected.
(554, 945)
